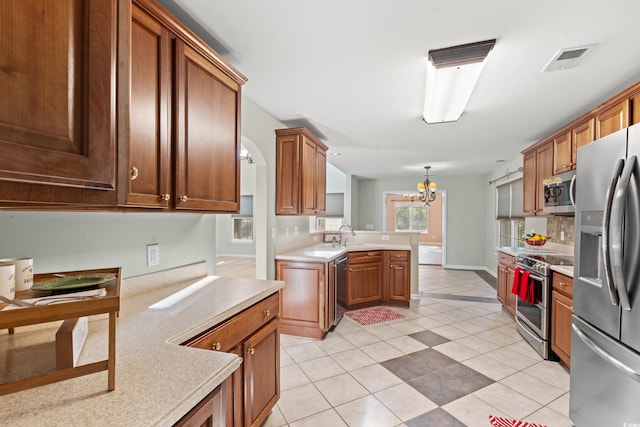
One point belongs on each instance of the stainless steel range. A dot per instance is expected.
(533, 319)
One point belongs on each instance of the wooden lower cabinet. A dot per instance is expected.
(305, 299)
(364, 279)
(396, 289)
(561, 312)
(208, 413)
(251, 392)
(506, 274)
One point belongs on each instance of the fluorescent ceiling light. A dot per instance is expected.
(452, 74)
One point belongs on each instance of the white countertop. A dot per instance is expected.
(157, 380)
(567, 270)
(326, 252)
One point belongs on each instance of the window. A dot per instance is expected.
(509, 214)
(411, 217)
(242, 223)
(328, 223)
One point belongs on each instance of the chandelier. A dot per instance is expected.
(426, 189)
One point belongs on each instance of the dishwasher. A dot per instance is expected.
(340, 294)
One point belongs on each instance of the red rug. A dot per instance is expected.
(369, 316)
(508, 422)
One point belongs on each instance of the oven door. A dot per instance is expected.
(536, 316)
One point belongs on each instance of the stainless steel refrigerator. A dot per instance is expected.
(605, 340)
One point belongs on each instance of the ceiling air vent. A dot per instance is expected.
(568, 58)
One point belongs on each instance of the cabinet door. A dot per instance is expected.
(396, 286)
(303, 298)
(57, 109)
(613, 119)
(309, 177)
(582, 135)
(544, 165)
(287, 175)
(207, 160)
(234, 394)
(321, 181)
(261, 354)
(511, 298)
(562, 154)
(502, 285)
(529, 183)
(208, 412)
(364, 283)
(561, 312)
(146, 178)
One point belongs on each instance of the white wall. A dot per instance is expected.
(66, 241)
(465, 222)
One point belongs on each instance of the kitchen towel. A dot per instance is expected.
(525, 283)
(515, 286)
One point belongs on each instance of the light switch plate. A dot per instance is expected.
(153, 255)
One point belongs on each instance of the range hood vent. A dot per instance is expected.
(568, 58)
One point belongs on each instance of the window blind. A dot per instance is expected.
(509, 200)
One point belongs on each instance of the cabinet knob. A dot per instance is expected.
(562, 284)
(184, 198)
(134, 173)
(251, 350)
(216, 346)
(267, 312)
(165, 197)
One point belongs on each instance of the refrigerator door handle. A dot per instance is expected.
(572, 191)
(616, 228)
(606, 356)
(606, 256)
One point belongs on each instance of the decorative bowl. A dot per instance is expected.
(535, 242)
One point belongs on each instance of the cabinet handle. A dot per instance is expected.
(251, 350)
(267, 312)
(134, 173)
(184, 198)
(216, 346)
(562, 284)
(165, 197)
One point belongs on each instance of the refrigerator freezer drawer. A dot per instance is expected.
(605, 379)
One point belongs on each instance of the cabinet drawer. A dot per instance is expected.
(365, 256)
(506, 259)
(229, 333)
(562, 283)
(398, 255)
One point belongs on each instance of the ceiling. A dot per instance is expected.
(353, 72)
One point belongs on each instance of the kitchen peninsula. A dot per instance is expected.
(381, 268)
(158, 380)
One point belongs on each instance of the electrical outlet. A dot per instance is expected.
(386, 237)
(153, 255)
(296, 230)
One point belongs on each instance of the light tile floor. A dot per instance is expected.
(454, 359)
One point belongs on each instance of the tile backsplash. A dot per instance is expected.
(559, 227)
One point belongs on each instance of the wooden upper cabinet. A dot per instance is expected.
(207, 156)
(537, 166)
(562, 153)
(582, 135)
(612, 119)
(544, 168)
(146, 176)
(179, 117)
(301, 164)
(58, 103)
(635, 109)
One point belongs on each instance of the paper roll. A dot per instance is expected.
(7, 280)
(24, 272)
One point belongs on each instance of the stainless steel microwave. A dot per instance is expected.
(559, 194)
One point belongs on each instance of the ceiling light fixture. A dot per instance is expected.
(426, 190)
(452, 74)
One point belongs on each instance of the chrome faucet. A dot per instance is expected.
(344, 242)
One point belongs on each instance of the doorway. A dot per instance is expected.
(403, 214)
